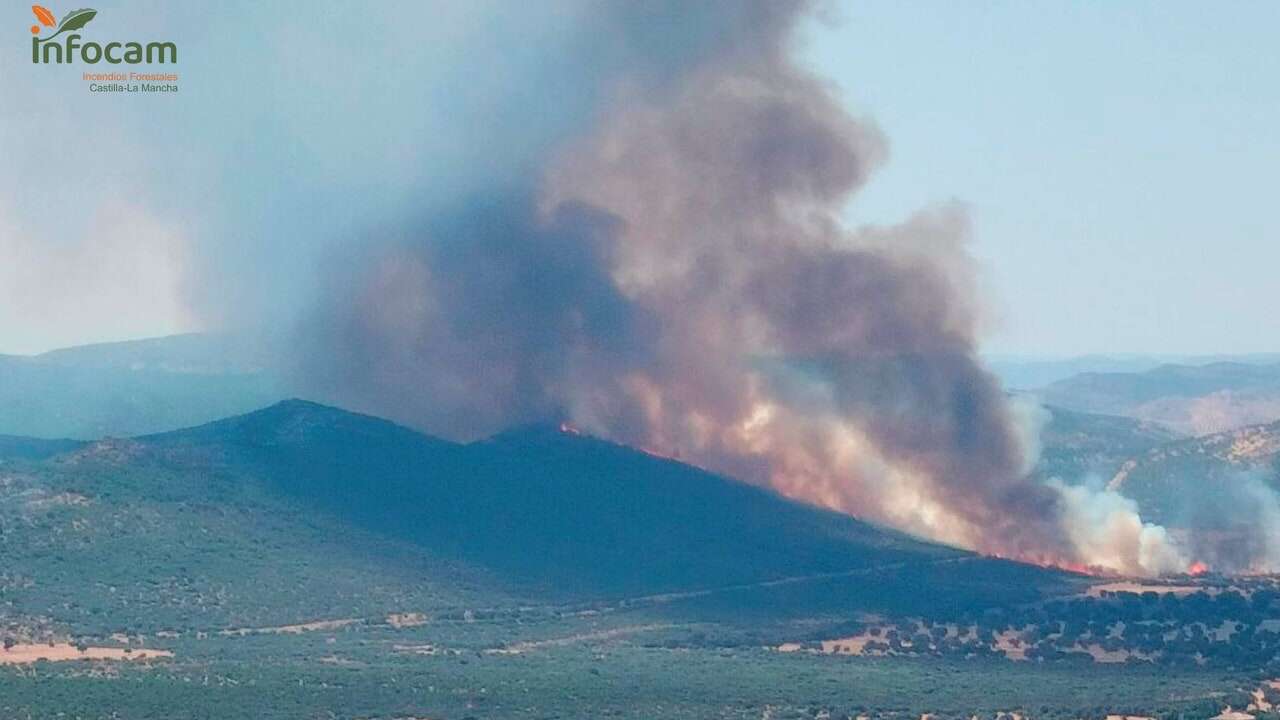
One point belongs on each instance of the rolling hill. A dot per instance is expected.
(189, 353)
(287, 513)
(16, 447)
(575, 512)
(302, 561)
(1191, 399)
(1027, 372)
(131, 388)
(1218, 494)
(1195, 481)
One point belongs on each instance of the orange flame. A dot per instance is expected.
(1061, 564)
(1081, 568)
(1197, 568)
(1076, 567)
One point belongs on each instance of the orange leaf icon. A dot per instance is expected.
(44, 16)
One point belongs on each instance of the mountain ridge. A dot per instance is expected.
(1192, 400)
(280, 501)
(538, 486)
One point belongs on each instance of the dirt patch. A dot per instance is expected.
(523, 647)
(1010, 643)
(855, 645)
(406, 620)
(58, 652)
(64, 499)
(423, 649)
(292, 629)
(1102, 655)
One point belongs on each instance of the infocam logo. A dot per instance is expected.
(46, 50)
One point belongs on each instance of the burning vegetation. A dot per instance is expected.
(674, 274)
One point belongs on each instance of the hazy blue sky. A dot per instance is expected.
(1117, 158)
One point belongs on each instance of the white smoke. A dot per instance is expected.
(1108, 532)
(1105, 528)
(1251, 508)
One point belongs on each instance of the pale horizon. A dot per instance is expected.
(1114, 164)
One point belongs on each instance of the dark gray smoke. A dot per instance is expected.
(672, 273)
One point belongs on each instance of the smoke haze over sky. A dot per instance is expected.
(639, 218)
(1115, 161)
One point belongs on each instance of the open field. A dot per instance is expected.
(643, 671)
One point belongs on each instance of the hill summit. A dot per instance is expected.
(541, 504)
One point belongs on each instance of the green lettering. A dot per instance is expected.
(45, 51)
(160, 49)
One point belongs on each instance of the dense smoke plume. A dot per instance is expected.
(670, 271)
(1231, 523)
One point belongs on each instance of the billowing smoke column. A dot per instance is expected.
(672, 274)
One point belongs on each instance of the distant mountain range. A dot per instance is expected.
(1190, 399)
(148, 386)
(132, 388)
(1023, 372)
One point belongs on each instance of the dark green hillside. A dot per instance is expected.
(25, 448)
(115, 537)
(303, 562)
(301, 511)
(572, 514)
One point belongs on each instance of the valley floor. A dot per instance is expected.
(620, 660)
(367, 673)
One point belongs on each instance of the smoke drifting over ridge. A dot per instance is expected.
(672, 273)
